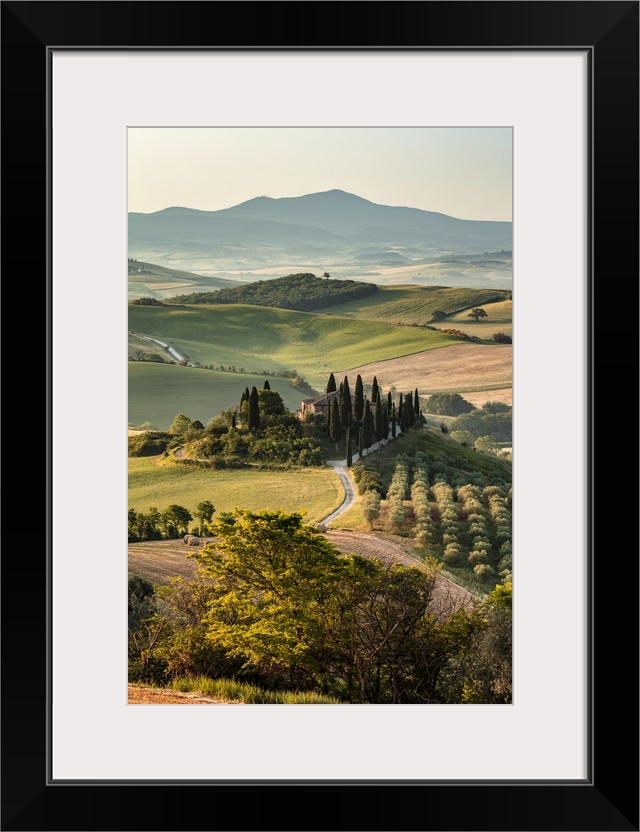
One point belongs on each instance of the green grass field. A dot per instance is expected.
(260, 337)
(161, 282)
(151, 484)
(500, 320)
(158, 392)
(413, 304)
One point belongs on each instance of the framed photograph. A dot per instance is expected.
(562, 79)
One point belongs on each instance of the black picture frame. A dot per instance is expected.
(608, 798)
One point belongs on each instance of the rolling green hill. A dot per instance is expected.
(414, 304)
(158, 392)
(148, 280)
(263, 338)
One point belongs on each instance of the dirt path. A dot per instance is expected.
(340, 468)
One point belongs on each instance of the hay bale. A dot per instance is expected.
(193, 540)
(186, 538)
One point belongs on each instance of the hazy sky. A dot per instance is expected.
(461, 171)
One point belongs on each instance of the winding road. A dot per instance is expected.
(173, 353)
(340, 467)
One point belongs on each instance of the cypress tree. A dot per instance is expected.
(378, 431)
(416, 402)
(254, 410)
(389, 402)
(358, 400)
(367, 425)
(374, 390)
(267, 386)
(331, 384)
(385, 423)
(408, 406)
(404, 419)
(400, 409)
(345, 403)
(393, 421)
(335, 431)
(349, 454)
(233, 420)
(360, 448)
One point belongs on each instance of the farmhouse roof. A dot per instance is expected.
(321, 398)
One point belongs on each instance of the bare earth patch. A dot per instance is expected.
(160, 560)
(479, 397)
(162, 696)
(448, 369)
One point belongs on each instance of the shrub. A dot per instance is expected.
(448, 404)
(501, 338)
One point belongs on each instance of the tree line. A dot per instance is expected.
(274, 603)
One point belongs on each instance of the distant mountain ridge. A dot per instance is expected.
(331, 225)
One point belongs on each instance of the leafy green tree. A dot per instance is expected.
(180, 425)
(371, 507)
(331, 384)
(477, 313)
(335, 430)
(448, 404)
(438, 315)
(254, 410)
(270, 403)
(204, 512)
(175, 520)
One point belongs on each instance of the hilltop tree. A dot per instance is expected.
(358, 400)
(326, 275)
(331, 384)
(477, 313)
(254, 409)
(336, 428)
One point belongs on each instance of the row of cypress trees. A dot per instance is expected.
(365, 420)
